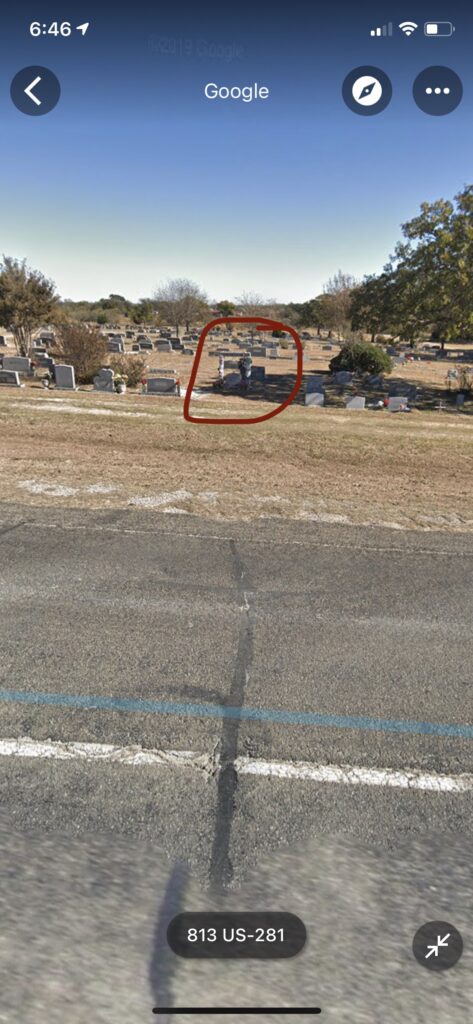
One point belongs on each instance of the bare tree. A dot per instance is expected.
(253, 304)
(336, 302)
(83, 347)
(181, 301)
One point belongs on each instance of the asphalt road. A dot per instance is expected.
(84, 923)
(273, 642)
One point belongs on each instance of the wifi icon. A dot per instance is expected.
(408, 27)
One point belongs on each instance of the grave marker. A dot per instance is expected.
(64, 377)
(397, 402)
(315, 398)
(11, 378)
(20, 364)
(356, 402)
(104, 380)
(161, 386)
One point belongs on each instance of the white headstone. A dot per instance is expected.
(356, 402)
(316, 398)
(397, 402)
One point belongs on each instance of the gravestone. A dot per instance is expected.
(327, 348)
(460, 400)
(161, 386)
(232, 380)
(145, 346)
(20, 364)
(356, 402)
(176, 344)
(315, 398)
(163, 346)
(64, 377)
(397, 402)
(115, 346)
(399, 359)
(401, 388)
(258, 351)
(391, 351)
(11, 378)
(314, 384)
(3, 341)
(375, 380)
(104, 380)
(258, 374)
(343, 377)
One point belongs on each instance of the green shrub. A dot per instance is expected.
(361, 357)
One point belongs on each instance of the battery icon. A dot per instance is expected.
(439, 28)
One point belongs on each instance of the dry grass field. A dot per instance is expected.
(87, 449)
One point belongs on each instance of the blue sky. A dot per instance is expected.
(135, 177)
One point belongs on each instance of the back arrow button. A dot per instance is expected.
(29, 90)
(35, 90)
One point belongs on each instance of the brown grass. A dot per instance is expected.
(362, 467)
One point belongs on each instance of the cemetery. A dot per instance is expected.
(420, 381)
(343, 452)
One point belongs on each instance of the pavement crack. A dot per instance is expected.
(8, 529)
(221, 867)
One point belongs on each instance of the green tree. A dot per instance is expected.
(306, 314)
(373, 306)
(27, 301)
(225, 308)
(433, 270)
(143, 312)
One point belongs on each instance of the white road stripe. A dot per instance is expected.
(302, 771)
(102, 752)
(349, 775)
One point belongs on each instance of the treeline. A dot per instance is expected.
(426, 288)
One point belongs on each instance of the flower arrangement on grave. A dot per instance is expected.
(119, 382)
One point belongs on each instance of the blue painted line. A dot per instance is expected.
(164, 707)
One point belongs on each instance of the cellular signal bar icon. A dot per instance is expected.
(384, 30)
